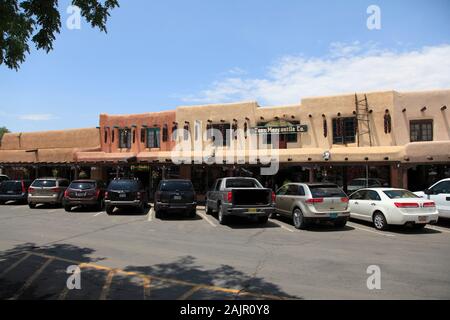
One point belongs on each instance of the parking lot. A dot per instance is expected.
(130, 255)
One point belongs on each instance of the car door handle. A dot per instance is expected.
(356, 202)
(373, 204)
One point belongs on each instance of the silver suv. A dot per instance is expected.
(47, 190)
(306, 203)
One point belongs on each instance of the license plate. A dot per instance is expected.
(81, 194)
(333, 215)
(252, 210)
(9, 192)
(176, 197)
(122, 195)
(422, 218)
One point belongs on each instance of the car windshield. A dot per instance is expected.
(131, 185)
(176, 185)
(242, 183)
(399, 194)
(44, 183)
(85, 185)
(11, 186)
(358, 182)
(326, 191)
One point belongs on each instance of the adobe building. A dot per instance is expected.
(402, 139)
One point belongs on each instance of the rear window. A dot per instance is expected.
(176, 185)
(82, 185)
(44, 183)
(11, 185)
(400, 194)
(326, 191)
(242, 183)
(131, 185)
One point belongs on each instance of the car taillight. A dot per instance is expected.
(314, 200)
(106, 194)
(138, 195)
(344, 199)
(274, 197)
(55, 190)
(23, 187)
(97, 193)
(230, 196)
(30, 190)
(406, 204)
(429, 204)
(66, 193)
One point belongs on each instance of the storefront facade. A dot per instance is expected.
(402, 139)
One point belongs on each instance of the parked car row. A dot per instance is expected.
(303, 203)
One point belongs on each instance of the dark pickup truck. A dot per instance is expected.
(244, 197)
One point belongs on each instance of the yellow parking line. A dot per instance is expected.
(189, 293)
(147, 279)
(146, 284)
(107, 285)
(14, 265)
(31, 279)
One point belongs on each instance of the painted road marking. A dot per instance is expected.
(206, 218)
(437, 228)
(19, 207)
(14, 265)
(278, 223)
(147, 280)
(31, 279)
(53, 211)
(189, 293)
(107, 285)
(151, 214)
(368, 230)
(98, 213)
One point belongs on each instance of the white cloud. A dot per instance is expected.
(346, 68)
(37, 117)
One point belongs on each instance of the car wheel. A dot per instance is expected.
(340, 224)
(2, 202)
(142, 208)
(32, 205)
(223, 219)
(67, 208)
(208, 210)
(101, 205)
(379, 221)
(193, 213)
(263, 220)
(109, 210)
(299, 219)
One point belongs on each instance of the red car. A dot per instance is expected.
(85, 193)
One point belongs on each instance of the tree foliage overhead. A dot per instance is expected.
(3, 130)
(39, 21)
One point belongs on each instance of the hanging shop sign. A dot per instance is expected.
(295, 128)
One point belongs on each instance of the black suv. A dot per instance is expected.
(175, 195)
(14, 190)
(125, 193)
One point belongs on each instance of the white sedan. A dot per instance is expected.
(386, 206)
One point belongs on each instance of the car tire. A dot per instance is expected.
(208, 210)
(100, 205)
(340, 224)
(142, 208)
(263, 220)
(67, 208)
(379, 221)
(158, 214)
(192, 213)
(32, 205)
(109, 210)
(223, 219)
(298, 219)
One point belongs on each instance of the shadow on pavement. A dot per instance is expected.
(34, 273)
(398, 229)
(317, 227)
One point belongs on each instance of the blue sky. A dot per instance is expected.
(160, 54)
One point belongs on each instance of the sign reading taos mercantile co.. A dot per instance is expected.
(296, 128)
